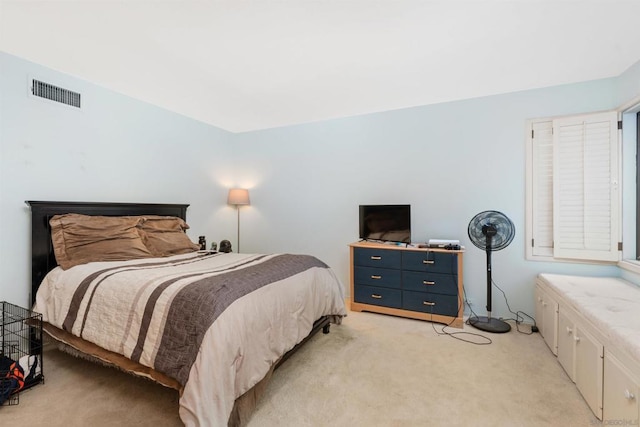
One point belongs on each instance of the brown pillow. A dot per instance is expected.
(79, 239)
(165, 236)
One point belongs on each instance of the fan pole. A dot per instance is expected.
(489, 281)
(487, 323)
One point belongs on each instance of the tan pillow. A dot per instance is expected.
(79, 239)
(165, 236)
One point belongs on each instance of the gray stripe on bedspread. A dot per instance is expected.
(79, 294)
(157, 292)
(198, 305)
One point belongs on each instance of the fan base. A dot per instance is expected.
(489, 324)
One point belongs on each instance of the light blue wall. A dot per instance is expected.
(449, 161)
(628, 85)
(115, 149)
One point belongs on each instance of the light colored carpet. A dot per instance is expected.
(373, 370)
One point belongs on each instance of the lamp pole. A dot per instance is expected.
(238, 197)
(238, 210)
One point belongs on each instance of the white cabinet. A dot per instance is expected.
(566, 344)
(621, 392)
(581, 356)
(595, 321)
(547, 318)
(588, 368)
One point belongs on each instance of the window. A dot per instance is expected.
(573, 188)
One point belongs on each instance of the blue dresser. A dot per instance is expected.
(409, 282)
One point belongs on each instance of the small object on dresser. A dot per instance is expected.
(202, 241)
(214, 246)
(225, 246)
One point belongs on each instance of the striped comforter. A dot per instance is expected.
(214, 322)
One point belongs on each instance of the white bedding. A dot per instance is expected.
(237, 349)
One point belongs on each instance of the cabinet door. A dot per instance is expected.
(588, 369)
(538, 295)
(566, 344)
(548, 313)
(620, 403)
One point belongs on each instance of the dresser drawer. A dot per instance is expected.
(430, 282)
(383, 277)
(376, 257)
(373, 295)
(446, 305)
(435, 262)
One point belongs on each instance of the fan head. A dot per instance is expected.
(491, 230)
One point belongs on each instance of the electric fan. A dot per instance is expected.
(491, 231)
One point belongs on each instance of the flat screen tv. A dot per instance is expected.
(388, 223)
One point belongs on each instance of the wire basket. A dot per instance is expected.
(20, 351)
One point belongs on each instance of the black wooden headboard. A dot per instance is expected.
(43, 259)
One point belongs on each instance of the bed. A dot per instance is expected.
(212, 326)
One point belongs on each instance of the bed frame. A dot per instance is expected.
(43, 258)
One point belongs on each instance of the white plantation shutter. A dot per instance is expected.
(585, 187)
(542, 188)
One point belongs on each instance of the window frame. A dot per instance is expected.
(637, 222)
(631, 181)
(612, 253)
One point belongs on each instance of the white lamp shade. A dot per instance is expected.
(238, 196)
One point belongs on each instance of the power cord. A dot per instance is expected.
(486, 340)
(460, 334)
(518, 315)
(518, 319)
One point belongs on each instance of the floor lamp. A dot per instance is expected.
(238, 197)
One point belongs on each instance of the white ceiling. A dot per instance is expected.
(256, 64)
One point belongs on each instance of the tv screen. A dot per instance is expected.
(389, 223)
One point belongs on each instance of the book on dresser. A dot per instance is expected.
(418, 283)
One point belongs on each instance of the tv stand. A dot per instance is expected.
(418, 283)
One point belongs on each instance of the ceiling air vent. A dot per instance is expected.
(55, 93)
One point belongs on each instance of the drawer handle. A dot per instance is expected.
(426, 261)
(376, 296)
(577, 339)
(376, 277)
(428, 303)
(427, 282)
(629, 395)
(376, 258)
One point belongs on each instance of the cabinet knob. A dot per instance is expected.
(629, 395)
(569, 330)
(577, 339)
(544, 304)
